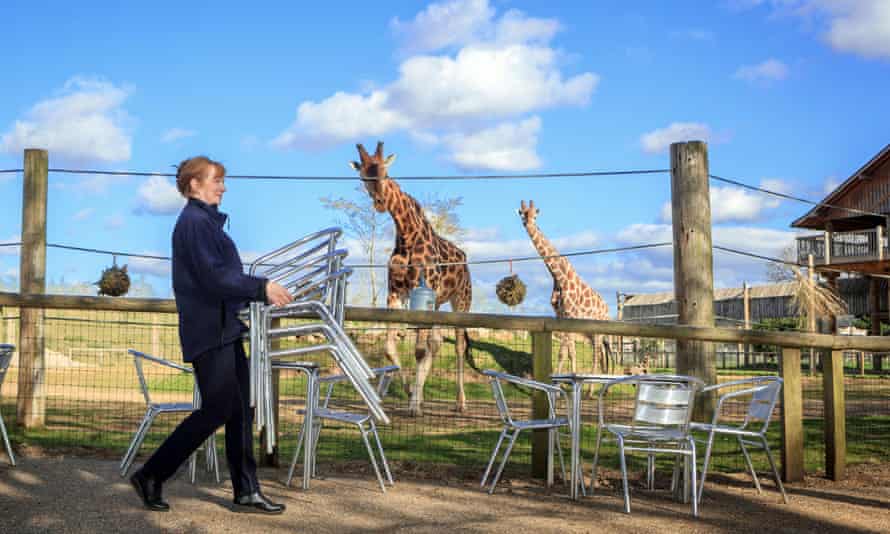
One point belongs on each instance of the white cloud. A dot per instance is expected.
(148, 265)
(658, 141)
(159, 196)
(765, 72)
(114, 222)
(444, 24)
(736, 204)
(85, 123)
(497, 68)
(507, 147)
(83, 214)
(175, 134)
(831, 183)
(860, 27)
(341, 117)
(487, 81)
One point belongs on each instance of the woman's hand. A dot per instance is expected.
(277, 295)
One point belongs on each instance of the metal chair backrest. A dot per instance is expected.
(663, 400)
(384, 376)
(764, 396)
(496, 378)
(311, 268)
(138, 357)
(6, 352)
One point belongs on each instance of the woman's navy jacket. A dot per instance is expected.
(208, 281)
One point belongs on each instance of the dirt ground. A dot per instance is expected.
(68, 494)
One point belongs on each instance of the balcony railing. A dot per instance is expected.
(846, 247)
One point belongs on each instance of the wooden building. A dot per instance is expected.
(852, 222)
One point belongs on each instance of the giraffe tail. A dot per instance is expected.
(468, 353)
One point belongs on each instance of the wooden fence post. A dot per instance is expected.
(271, 459)
(542, 354)
(31, 399)
(835, 415)
(693, 263)
(792, 416)
(746, 305)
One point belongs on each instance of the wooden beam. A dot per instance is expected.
(792, 417)
(835, 415)
(542, 353)
(497, 322)
(693, 263)
(31, 397)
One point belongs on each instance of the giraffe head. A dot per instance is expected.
(528, 213)
(373, 171)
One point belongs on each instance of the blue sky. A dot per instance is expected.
(788, 93)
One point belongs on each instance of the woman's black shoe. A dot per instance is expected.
(257, 502)
(149, 491)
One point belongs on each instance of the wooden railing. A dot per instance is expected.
(542, 327)
(846, 247)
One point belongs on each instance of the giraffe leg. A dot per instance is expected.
(573, 356)
(424, 363)
(460, 350)
(391, 350)
(563, 348)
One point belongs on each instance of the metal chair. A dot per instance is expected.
(552, 423)
(5, 358)
(323, 412)
(157, 408)
(764, 393)
(660, 424)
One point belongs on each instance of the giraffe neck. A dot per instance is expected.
(407, 215)
(559, 267)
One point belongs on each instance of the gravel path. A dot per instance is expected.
(67, 495)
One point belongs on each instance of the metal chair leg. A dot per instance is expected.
(138, 439)
(596, 458)
(624, 475)
(293, 463)
(371, 456)
(772, 464)
(562, 463)
(382, 454)
(504, 461)
(494, 455)
(131, 450)
(750, 465)
(692, 480)
(6, 442)
(704, 467)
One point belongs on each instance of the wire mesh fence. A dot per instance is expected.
(93, 403)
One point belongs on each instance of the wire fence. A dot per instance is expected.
(93, 403)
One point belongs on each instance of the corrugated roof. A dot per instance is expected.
(784, 289)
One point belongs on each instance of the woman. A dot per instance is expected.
(210, 288)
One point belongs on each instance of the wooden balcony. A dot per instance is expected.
(861, 250)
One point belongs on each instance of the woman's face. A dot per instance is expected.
(211, 188)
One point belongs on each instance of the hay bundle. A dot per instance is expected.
(511, 290)
(114, 281)
(816, 300)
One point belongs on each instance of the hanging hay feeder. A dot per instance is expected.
(114, 281)
(511, 290)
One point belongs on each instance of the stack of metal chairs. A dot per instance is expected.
(312, 269)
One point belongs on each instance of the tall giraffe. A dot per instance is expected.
(571, 297)
(417, 249)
